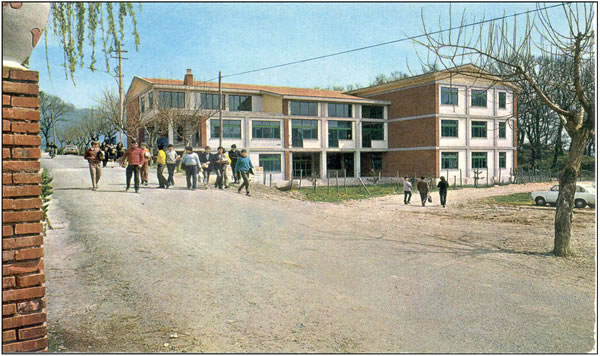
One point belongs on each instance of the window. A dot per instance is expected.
(270, 162)
(449, 96)
(478, 160)
(502, 130)
(266, 129)
(302, 108)
(479, 129)
(377, 161)
(449, 160)
(231, 128)
(339, 110)
(371, 131)
(449, 128)
(142, 103)
(372, 112)
(150, 100)
(171, 99)
(339, 130)
(502, 100)
(479, 98)
(240, 103)
(502, 159)
(303, 129)
(211, 101)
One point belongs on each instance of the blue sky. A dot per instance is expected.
(236, 37)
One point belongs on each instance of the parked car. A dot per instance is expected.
(584, 195)
(71, 150)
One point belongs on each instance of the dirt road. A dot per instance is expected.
(213, 271)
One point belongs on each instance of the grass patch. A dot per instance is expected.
(348, 193)
(512, 199)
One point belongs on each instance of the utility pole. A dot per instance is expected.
(120, 58)
(220, 113)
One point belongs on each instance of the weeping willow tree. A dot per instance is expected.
(79, 24)
(565, 42)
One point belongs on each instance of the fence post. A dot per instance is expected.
(345, 189)
(379, 177)
(337, 185)
(300, 183)
(264, 178)
(270, 179)
(314, 181)
(327, 182)
(397, 180)
(455, 181)
(461, 181)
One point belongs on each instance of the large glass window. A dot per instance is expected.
(142, 103)
(150, 100)
(303, 108)
(502, 159)
(171, 99)
(211, 101)
(479, 160)
(449, 128)
(240, 103)
(449, 96)
(270, 162)
(479, 129)
(371, 131)
(449, 160)
(372, 112)
(339, 130)
(502, 100)
(478, 97)
(304, 129)
(502, 130)
(231, 128)
(339, 110)
(266, 129)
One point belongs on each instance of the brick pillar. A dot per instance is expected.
(23, 277)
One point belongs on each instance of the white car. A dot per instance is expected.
(584, 195)
(71, 150)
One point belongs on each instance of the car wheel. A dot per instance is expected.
(580, 203)
(540, 201)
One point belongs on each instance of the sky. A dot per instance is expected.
(238, 37)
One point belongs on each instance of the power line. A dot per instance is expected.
(386, 43)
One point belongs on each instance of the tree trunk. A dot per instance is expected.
(566, 196)
(557, 145)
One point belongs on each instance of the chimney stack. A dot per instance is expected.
(189, 78)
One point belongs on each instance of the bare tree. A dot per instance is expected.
(109, 114)
(507, 51)
(53, 110)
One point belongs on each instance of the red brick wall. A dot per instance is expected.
(23, 277)
(409, 163)
(411, 102)
(413, 133)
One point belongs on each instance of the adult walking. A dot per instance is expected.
(94, 156)
(243, 166)
(111, 154)
(120, 150)
(191, 162)
(206, 159)
(147, 156)
(443, 186)
(161, 162)
(407, 190)
(221, 161)
(135, 158)
(233, 156)
(172, 158)
(423, 190)
(104, 148)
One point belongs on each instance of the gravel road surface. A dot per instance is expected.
(213, 271)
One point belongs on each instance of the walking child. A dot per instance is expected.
(135, 157)
(443, 186)
(94, 156)
(243, 167)
(407, 190)
(423, 190)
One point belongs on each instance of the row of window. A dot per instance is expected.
(449, 128)
(449, 96)
(173, 99)
(478, 160)
(301, 130)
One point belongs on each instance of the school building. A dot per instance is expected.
(440, 123)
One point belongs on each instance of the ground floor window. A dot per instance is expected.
(231, 128)
(305, 164)
(449, 160)
(270, 162)
(502, 159)
(340, 161)
(479, 160)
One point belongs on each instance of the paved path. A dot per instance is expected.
(214, 271)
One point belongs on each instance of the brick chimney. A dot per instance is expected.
(189, 78)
